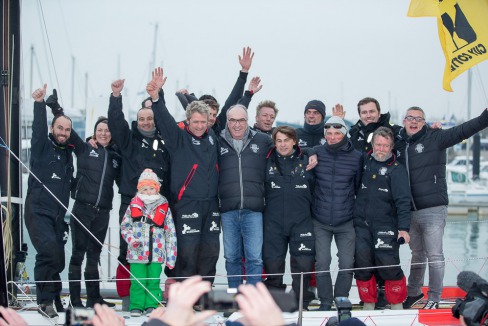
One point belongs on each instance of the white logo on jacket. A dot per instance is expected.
(274, 185)
(383, 171)
(304, 186)
(381, 244)
(302, 143)
(254, 148)
(210, 139)
(419, 148)
(224, 150)
(195, 141)
(383, 189)
(214, 227)
(303, 248)
(115, 163)
(93, 153)
(192, 215)
(55, 176)
(308, 234)
(187, 229)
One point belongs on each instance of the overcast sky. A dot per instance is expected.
(337, 51)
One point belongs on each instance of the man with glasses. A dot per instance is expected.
(242, 163)
(422, 150)
(338, 176)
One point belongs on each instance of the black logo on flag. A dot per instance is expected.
(460, 27)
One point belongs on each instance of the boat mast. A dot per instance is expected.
(10, 173)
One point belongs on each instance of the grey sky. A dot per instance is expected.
(336, 51)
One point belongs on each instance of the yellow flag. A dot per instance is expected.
(463, 33)
(423, 8)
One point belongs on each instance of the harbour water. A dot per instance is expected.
(465, 248)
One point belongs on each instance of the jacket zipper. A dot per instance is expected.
(102, 178)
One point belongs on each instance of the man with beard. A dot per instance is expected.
(381, 221)
(140, 147)
(48, 197)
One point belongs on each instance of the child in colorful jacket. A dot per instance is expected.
(149, 231)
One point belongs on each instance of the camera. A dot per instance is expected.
(474, 307)
(344, 307)
(224, 300)
(79, 316)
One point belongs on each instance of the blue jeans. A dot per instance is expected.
(426, 233)
(243, 227)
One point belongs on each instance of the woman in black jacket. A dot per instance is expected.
(92, 190)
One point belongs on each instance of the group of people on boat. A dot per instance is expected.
(269, 190)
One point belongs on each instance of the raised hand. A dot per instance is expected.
(117, 87)
(338, 111)
(39, 94)
(158, 77)
(254, 85)
(246, 60)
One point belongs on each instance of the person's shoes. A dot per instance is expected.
(47, 310)
(90, 302)
(58, 304)
(368, 306)
(410, 301)
(382, 303)
(148, 311)
(431, 305)
(324, 307)
(135, 313)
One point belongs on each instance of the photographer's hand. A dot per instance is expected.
(105, 316)
(258, 307)
(182, 297)
(10, 317)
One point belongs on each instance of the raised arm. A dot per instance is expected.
(452, 136)
(39, 125)
(245, 61)
(254, 87)
(169, 130)
(118, 126)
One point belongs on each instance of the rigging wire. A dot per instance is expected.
(4, 145)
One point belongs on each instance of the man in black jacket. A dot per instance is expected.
(140, 147)
(287, 215)
(381, 220)
(423, 150)
(194, 183)
(370, 118)
(338, 176)
(47, 199)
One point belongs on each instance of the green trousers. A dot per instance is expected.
(140, 296)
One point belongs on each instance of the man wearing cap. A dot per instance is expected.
(312, 133)
(370, 118)
(266, 113)
(338, 176)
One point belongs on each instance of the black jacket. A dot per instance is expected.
(97, 169)
(424, 155)
(138, 152)
(51, 163)
(384, 196)
(241, 182)
(337, 178)
(194, 165)
(361, 135)
(311, 135)
(288, 189)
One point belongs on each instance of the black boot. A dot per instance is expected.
(93, 292)
(58, 304)
(74, 276)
